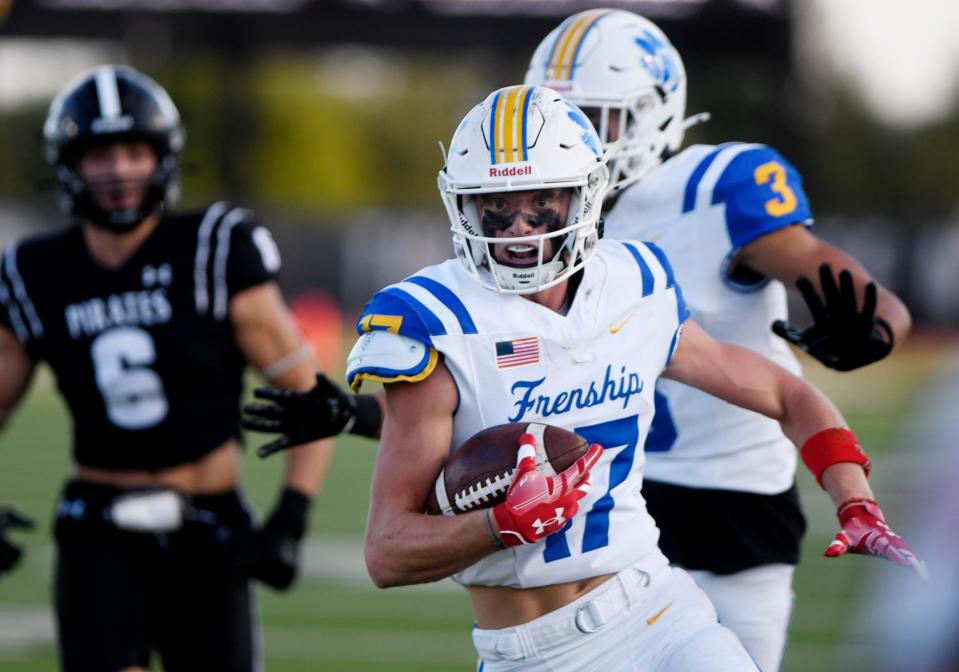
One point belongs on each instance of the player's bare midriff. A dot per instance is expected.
(213, 473)
(501, 607)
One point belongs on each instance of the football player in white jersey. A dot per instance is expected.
(733, 220)
(531, 322)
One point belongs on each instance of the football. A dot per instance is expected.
(479, 472)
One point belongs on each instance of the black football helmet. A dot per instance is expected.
(113, 104)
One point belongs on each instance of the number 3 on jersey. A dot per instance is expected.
(132, 392)
(786, 201)
(622, 434)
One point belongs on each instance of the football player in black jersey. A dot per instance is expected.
(147, 320)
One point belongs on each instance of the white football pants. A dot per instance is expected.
(755, 604)
(635, 622)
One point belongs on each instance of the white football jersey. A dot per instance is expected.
(592, 371)
(701, 207)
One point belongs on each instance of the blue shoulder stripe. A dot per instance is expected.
(396, 311)
(682, 313)
(664, 262)
(445, 295)
(433, 323)
(673, 344)
(643, 269)
(689, 196)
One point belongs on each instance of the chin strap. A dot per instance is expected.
(506, 275)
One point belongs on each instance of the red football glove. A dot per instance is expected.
(864, 530)
(537, 505)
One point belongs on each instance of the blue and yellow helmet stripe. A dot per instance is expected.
(571, 34)
(507, 125)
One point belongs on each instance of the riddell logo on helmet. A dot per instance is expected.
(511, 171)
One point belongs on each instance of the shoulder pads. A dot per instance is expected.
(389, 357)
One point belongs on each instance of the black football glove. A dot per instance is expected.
(278, 541)
(324, 411)
(9, 552)
(841, 336)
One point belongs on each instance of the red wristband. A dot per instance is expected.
(832, 446)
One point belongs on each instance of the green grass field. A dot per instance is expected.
(334, 619)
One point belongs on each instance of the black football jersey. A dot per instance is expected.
(144, 355)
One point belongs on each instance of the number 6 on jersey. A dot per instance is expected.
(132, 392)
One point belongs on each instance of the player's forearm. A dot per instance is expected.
(805, 410)
(742, 377)
(845, 481)
(809, 413)
(306, 464)
(408, 548)
(767, 388)
(17, 367)
(895, 313)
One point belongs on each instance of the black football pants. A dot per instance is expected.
(121, 595)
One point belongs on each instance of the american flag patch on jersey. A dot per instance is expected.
(517, 352)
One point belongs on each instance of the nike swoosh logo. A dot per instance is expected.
(655, 617)
(616, 327)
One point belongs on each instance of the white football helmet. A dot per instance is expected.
(524, 138)
(616, 60)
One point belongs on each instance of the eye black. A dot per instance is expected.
(547, 218)
(493, 221)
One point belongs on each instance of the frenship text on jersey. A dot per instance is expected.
(542, 405)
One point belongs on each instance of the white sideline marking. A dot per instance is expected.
(333, 559)
(24, 627)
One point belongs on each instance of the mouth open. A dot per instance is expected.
(519, 254)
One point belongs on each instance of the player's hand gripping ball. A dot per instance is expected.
(479, 472)
(537, 505)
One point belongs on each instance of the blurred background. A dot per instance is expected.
(325, 116)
